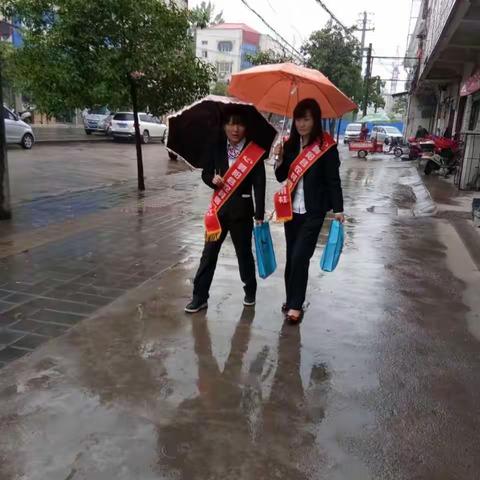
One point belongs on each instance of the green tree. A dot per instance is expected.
(203, 15)
(268, 57)
(375, 95)
(106, 52)
(400, 106)
(220, 88)
(338, 56)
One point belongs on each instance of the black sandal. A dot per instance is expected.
(284, 307)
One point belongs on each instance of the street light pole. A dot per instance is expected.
(5, 212)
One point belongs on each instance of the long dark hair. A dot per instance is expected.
(292, 145)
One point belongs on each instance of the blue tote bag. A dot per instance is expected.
(266, 261)
(333, 248)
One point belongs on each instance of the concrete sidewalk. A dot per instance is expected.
(46, 134)
(379, 382)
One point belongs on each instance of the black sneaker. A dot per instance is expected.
(249, 300)
(196, 305)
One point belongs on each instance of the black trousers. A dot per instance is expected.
(241, 234)
(301, 234)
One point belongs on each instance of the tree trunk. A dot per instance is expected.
(5, 212)
(138, 137)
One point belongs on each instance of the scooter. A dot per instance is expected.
(445, 158)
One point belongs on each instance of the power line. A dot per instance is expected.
(332, 15)
(294, 50)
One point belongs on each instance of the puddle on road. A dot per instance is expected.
(463, 267)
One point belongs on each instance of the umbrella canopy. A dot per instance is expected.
(194, 129)
(375, 118)
(278, 88)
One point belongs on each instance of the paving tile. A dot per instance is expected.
(4, 293)
(7, 336)
(26, 326)
(9, 354)
(61, 306)
(30, 342)
(103, 291)
(52, 329)
(18, 298)
(50, 316)
(5, 306)
(90, 299)
(44, 286)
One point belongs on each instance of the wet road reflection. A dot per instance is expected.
(229, 428)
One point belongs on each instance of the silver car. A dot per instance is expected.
(381, 132)
(17, 131)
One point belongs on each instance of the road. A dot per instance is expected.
(49, 170)
(380, 381)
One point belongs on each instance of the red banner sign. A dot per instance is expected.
(471, 85)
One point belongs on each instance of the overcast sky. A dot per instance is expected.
(296, 20)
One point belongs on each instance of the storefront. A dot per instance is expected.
(469, 178)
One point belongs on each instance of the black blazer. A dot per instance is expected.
(321, 182)
(240, 204)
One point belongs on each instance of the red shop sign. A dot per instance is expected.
(471, 85)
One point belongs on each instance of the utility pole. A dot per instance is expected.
(365, 26)
(368, 75)
(5, 212)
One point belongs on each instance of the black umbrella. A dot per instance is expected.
(194, 129)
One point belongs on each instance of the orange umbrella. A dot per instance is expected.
(279, 87)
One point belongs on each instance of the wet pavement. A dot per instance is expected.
(379, 382)
(60, 168)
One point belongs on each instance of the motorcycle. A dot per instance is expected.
(445, 158)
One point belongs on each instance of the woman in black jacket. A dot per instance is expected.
(318, 191)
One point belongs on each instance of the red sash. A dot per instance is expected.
(235, 175)
(308, 156)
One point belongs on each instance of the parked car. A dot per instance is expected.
(17, 131)
(382, 132)
(94, 120)
(150, 127)
(352, 132)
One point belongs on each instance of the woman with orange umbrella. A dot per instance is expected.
(309, 163)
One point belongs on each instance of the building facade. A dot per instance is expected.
(443, 58)
(227, 46)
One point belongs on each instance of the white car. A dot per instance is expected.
(381, 132)
(150, 127)
(352, 132)
(17, 131)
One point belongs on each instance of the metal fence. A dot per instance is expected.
(468, 175)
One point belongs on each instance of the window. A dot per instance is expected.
(8, 115)
(204, 42)
(123, 117)
(146, 118)
(224, 68)
(99, 111)
(225, 46)
(204, 54)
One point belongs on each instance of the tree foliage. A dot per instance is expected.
(81, 53)
(375, 95)
(337, 56)
(220, 88)
(400, 106)
(203, 15)
(268, 57)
